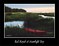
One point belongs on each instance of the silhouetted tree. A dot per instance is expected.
(18, 10)
(7, 9)
(22, 10)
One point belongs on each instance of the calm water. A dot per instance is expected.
(14, 23)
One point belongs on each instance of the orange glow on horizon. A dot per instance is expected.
(41, 10)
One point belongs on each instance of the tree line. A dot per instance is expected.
(8, 9)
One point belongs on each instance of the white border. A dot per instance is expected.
(28, 37)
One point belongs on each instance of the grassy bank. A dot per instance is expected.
(22, 16)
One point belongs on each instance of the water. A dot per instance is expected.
(46, 16)
(14, 23)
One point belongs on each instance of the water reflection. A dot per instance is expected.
(14, 23)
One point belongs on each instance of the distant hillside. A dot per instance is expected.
(8, 9)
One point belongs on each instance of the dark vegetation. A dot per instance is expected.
(22, 16)
(8, 9)
(18, 32)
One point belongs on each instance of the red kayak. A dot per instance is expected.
(39, 32)
(32, 30)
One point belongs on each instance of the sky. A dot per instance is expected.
(37, 8)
